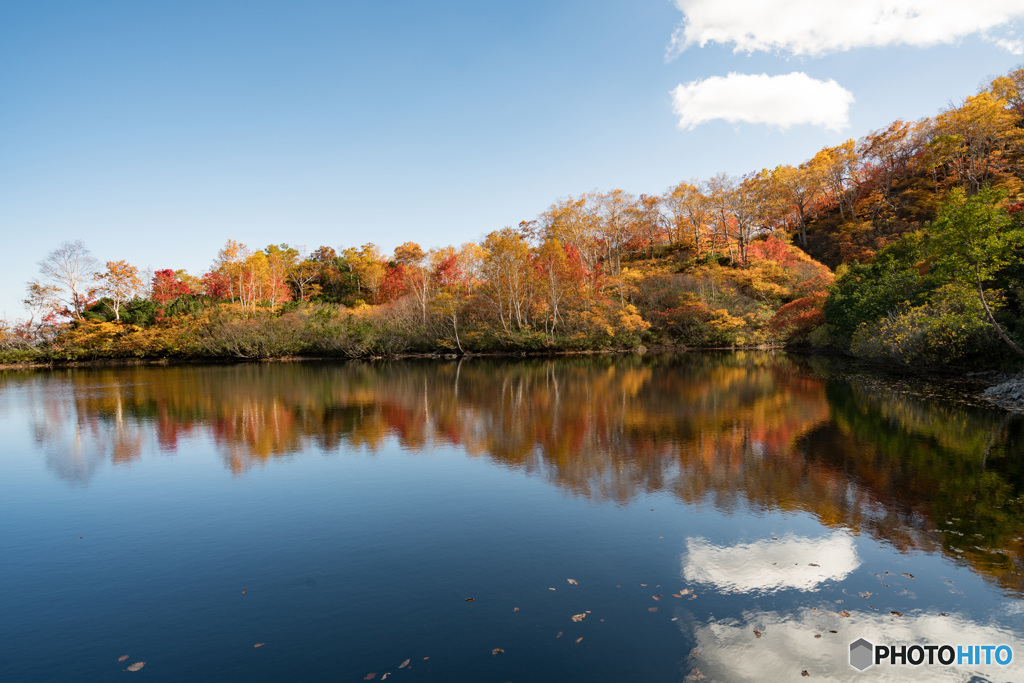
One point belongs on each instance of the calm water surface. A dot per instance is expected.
(702, 516)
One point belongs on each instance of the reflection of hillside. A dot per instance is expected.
(76, 443)
(732, 429)
(930, 476)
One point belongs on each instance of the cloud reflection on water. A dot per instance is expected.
(791, 562)
(730, 651)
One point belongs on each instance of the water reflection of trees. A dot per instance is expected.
(731, 429)
(932, 475)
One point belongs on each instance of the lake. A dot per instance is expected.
(704, 516)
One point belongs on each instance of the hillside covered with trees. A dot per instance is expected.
(905, 245)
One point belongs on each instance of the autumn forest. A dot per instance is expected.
(903, 246)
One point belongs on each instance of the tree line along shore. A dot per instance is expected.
(905, 246)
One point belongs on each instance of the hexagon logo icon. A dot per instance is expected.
(861, 654)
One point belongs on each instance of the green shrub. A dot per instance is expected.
(23, 355)
(948, 328)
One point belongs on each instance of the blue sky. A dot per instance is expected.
(154, 131)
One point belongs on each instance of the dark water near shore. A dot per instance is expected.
(716, 513)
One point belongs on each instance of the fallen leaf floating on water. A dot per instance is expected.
(804, 673)
(896, 614)
(469, 599)
(579, 617)
(909, 576)
(812, 564)
(757, 633)
(385, 675)
(831, 631)
(497, 651)
(573, 582)
(515, 609)
(817, 635)
(426, 658)
(243, 591)
(369, 677)
(676, 595)
(579, 639)
(685, 591)
(943, 614)
(551, 589)
(404, 664)
(643, 584)
(656, 597)
(259, 644)
(844, 613)
(559, 635)
(652, 609)
(122, 658)
(136, 666)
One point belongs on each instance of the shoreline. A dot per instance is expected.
(447, 355)
(998, 388)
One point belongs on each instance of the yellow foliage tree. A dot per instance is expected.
(120, 283)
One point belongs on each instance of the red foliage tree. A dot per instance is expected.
(393, 285)
(773, 249)
(167, 286)
(216, 285)
(797, 319)
(448, 271)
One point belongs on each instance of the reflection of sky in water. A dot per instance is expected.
(842, 487)
(768, 566)
(730, 651)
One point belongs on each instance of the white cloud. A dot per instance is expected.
(768, 566)
(815, 27)
(776, 100)
(1014, 47)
